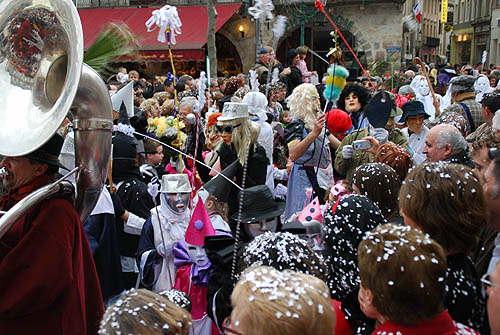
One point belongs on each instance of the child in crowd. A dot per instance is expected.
(302, 66)
(122, 75)
(285, 118)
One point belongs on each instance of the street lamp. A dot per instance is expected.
(241, 29)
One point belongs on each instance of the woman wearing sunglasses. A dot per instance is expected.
(240, 135)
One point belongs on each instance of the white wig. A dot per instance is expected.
(304, 104)
(257, 104)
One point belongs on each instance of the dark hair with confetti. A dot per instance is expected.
(283, 251)
(381, 184)
(232, 85)
(144, 312)
(447, 202)
(179, 298)
(396, 156)
(405, 271)
(354, 216)
(276, 302)
(361, 92)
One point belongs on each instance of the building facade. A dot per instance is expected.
(494, 55)
(471, 31)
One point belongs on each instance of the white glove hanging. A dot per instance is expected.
(347, 151)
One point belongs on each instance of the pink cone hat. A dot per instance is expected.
(311, 212)
(199, 225)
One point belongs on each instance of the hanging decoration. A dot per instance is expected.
(167, 20)
(263, 9)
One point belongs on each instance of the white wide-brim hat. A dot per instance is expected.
(234, 110)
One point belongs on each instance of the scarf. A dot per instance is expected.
(14, 196)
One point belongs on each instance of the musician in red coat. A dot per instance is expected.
(48, 281)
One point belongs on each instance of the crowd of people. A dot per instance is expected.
(255, 204)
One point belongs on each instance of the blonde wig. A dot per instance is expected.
(288, 301)
(244, 136)
(304, 104)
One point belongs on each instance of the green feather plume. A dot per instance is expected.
(114, 41)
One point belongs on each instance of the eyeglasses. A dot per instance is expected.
(226, 329)
(227, 128)
(486, 281)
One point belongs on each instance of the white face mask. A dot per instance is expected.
(197, 254)
(424, 88)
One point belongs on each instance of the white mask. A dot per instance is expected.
(424, 88)
(198, 254)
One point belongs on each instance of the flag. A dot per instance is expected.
(125, 94)
(417, 10)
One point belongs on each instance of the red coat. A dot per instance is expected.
(441, 324)
(48, 281)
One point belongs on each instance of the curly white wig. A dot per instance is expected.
(304, 104)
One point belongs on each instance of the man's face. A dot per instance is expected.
(415, 123)
(21, 171)
(170, 89)
(481, 161)
(255, 229)
(431, 149)
(190, 84)
(272, 56)
(491, 189)
(264, 58)
(493, 305)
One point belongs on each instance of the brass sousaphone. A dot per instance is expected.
(42, 79)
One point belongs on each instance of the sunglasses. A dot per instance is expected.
(486, 281)
(226, 129)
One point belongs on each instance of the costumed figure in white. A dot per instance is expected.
(165, 227)
(482, 86)
(423, 94)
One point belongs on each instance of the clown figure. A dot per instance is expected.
(195, 268)
(165, 227)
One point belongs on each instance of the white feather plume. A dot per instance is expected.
(165, 18)
(275, 77)
(202, 85)
(263, 9)
(410, 22)
(279, 27)
(254, 81)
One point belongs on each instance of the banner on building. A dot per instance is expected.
(444, 11)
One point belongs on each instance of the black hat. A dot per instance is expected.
(49, 152)
(122, 114)
(219, 186)
(291, 55)
(412, 108)
(353, 74)
(378, 110)
(295, 227)
(219, 248)
(258, 204)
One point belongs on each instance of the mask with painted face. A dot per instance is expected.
(197, 254)
(424, 88)
(176, 202)
(260, 227)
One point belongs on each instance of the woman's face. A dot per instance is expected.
(415, 123)
(352, 103)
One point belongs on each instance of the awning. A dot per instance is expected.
(189, 43)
